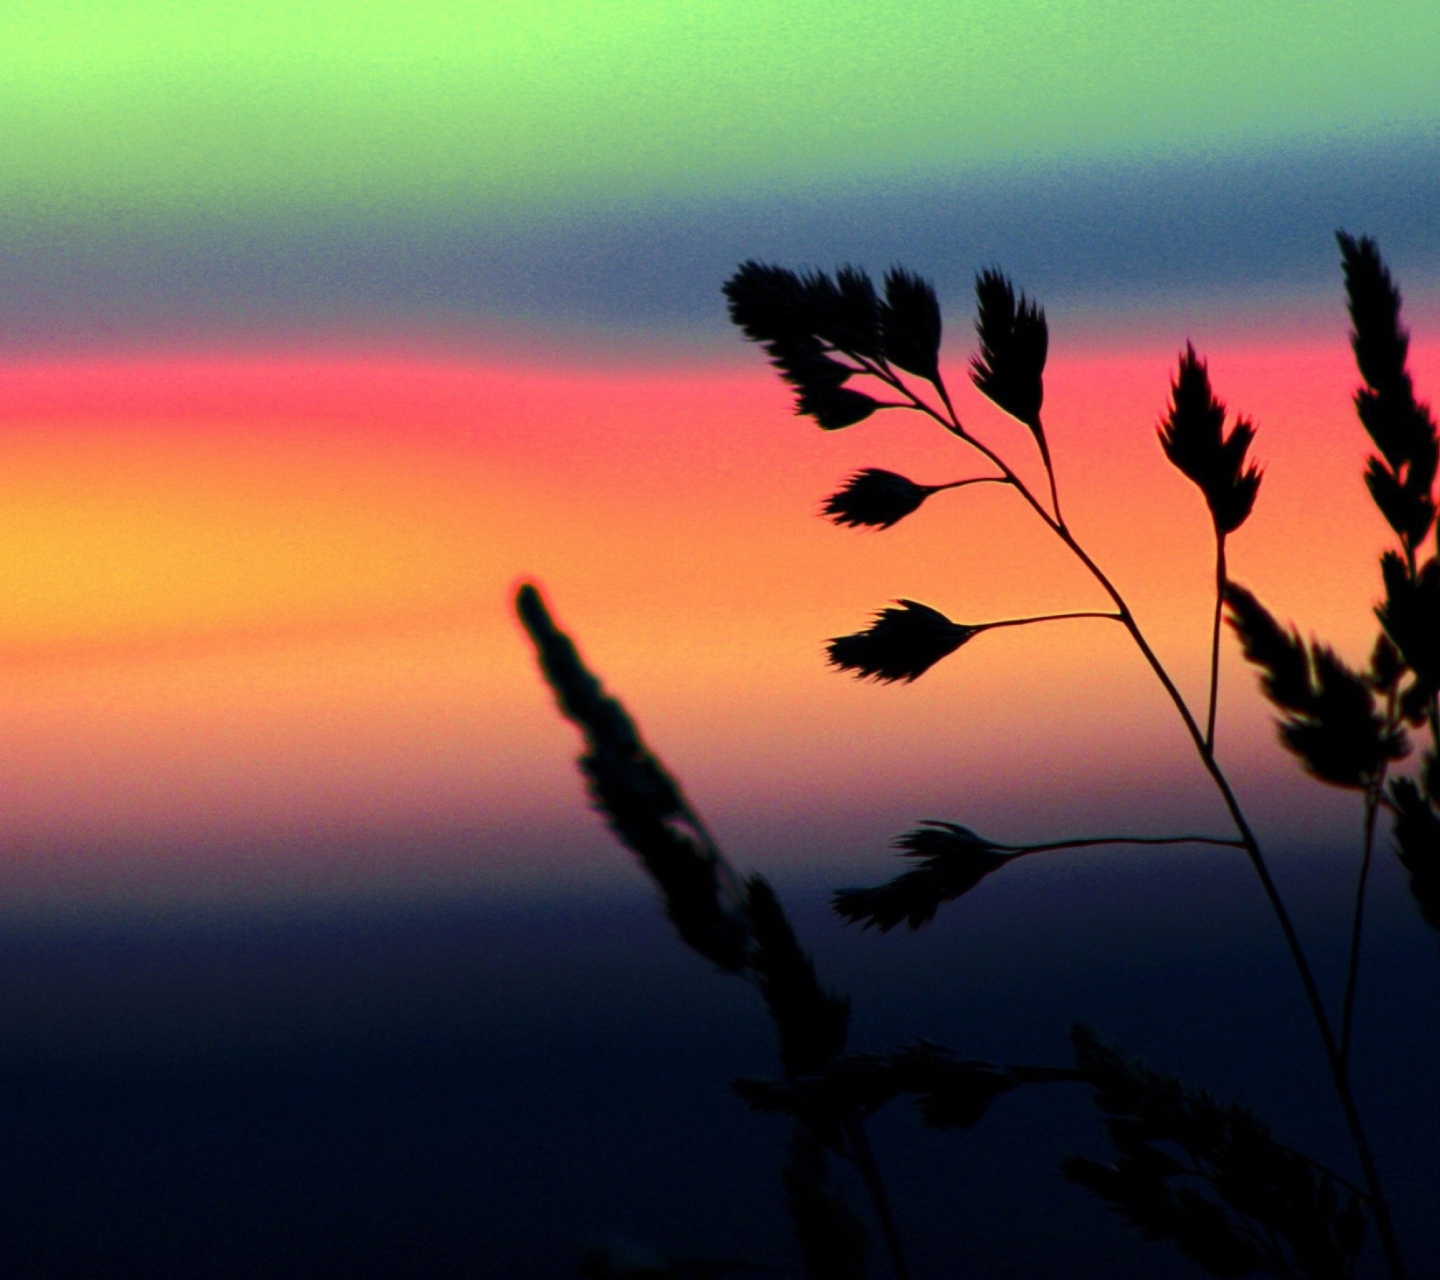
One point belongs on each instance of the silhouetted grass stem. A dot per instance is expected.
(1091, 842)
(1374, 799)
(1046, 617)
(1220, 578)
(1338, 1072)
(1357, 926)
(863, 1156)
(960, 484)
(1050, 475)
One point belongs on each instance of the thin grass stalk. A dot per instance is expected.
(1045, 617)
(1357, 925)
(960, 484)
(1220, 580)
(1379, 1205)
(1090, 842)
(863, 1156)
(1374, 799)
(1050, 475)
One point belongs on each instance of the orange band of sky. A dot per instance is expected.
(266, 599)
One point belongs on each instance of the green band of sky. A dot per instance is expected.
(165, 107)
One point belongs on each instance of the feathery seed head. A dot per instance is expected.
(1014, 341)
(1193, 437)
(875, 498)
(902, 644)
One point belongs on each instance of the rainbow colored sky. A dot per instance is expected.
(322, 325)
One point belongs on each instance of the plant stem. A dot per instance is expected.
(1379, 1206)
(1092, 842)
(1045, 617)
(864, 1158)
(1039, 434)
(960, 484)
(1357, 927)
(1220, 579)
(1374, 799)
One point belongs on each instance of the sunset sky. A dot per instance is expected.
(323, 326)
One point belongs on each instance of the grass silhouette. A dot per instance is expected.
(1205, 1175)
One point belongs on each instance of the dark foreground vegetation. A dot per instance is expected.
(1207, 1175)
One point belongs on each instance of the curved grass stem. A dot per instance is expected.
(1047, 617)
(864, 1158)
(1357, 924)
(960, 484)
(1050, 476)
(1019, 850)
(1379, 1205)
(1220, 580)
(1335, 1059)
(1374, 801)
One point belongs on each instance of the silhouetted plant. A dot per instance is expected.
(953, 860)
(738, 925)
(1205, 1175)
(1211, 1178)
(881, 498)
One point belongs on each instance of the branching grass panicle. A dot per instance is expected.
(1209, 1177)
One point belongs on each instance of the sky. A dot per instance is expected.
(323, 326)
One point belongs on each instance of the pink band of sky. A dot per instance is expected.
(263, 601)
